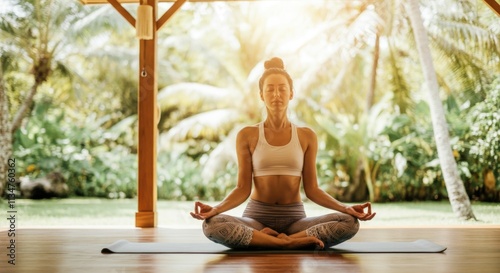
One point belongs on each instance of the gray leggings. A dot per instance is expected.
(236, 232)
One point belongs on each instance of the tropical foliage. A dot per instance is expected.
(357, 79)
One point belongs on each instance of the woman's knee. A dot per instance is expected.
(222, 229)
(337, 229)
(214, 224)
(349, 222)
(353, 225)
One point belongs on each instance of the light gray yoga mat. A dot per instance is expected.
(126, 247)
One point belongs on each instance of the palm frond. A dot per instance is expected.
(195, 93)
(207, 125)
(468, 35)
(464, 66)
(224, 153)
(101, 18)
(123, 55)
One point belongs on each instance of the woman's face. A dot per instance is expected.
(276, 92)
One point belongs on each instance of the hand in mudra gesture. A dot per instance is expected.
(358, 211)
(203, 211)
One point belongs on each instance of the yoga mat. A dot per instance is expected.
(126, 247)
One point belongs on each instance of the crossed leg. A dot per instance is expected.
(331, 229)
(243, 232)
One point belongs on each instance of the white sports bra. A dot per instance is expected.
(268, 159)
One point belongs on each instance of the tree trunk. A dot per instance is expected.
(459, 199)
(357, 189)
(370, 97)
(368, 178)
(24, 109)
(5, 135)
(40, 71)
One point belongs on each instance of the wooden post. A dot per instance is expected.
(494, 5)
(147, 107)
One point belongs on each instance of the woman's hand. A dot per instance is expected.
(203, 211)
(358, 211)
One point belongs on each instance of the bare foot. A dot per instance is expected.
(303, 242)
(269, 231)
(283, 236)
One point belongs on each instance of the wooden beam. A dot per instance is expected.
(494, 5)
(122, 11)
(147, 113)
(171, 11)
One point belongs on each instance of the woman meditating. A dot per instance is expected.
(276, 156)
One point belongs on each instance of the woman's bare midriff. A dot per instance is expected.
(277, 189)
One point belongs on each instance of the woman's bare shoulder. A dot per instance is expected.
(249, 131)
(306, 131)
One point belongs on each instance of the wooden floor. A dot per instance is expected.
(469, 250)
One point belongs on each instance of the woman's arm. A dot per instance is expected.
(316, 194)
(244, 185)
(309, 176)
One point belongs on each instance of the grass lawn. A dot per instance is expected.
(91, 212)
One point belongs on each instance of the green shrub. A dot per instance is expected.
(479, 147)
(85, 154)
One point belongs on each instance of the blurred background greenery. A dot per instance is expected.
(357, 79)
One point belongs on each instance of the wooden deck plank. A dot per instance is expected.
(78, 250)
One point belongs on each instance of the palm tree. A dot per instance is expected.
(467, 46)
(339, 77)
(43, 39)
(456, 191)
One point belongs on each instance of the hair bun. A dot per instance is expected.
(274, 62)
